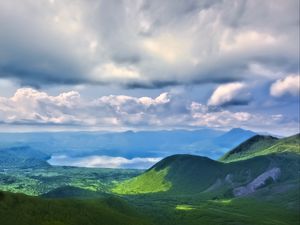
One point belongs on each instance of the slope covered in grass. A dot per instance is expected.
(189, 175)
(150, 182)
(180, 173)
(251, 146)
(23, 210)
(263, 145)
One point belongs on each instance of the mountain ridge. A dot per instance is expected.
(262, 145)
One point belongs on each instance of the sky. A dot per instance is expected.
(149, 65)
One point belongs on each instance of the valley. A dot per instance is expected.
(256, 182)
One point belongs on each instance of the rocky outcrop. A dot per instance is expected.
(258, 182)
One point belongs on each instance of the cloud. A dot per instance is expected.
(30, 107)
(229, 94)
(148, 44)
(290, 85)
(103, 161)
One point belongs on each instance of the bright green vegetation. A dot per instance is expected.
(23, 210)
(150, 182)
(38, 181)
(184, 207)
(222, 201)
(262, 145)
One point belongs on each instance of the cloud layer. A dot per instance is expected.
(103, 161)
(167, 111)
(146, 43)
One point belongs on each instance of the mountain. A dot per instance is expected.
(234, 137)
(187, 174)
(23, 210)
(22, 157)
(130, 144)
(263, 145)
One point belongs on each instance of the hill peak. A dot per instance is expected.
(180, 159)
(262, 145)
(238, 129)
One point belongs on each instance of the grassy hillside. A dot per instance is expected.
(23, 210)
(180, 173)
(190, 175)
(238, 211)
(263, 145)
(150, 182)
(192, 190)
(251, 146)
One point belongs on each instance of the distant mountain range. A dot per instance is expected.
(205, 142)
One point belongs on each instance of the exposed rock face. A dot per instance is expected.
(258, 182)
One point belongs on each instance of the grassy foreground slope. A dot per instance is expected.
(194, 211)
(263, 145)
(23, 210)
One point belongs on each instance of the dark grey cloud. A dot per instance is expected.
(146, 44)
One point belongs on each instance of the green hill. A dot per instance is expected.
(257, 163)
(251, 146)
(190, 175)
(180, 173)
(263, 145)
(23, 210)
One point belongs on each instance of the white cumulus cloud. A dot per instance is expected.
(288, 85)
(228, 94)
